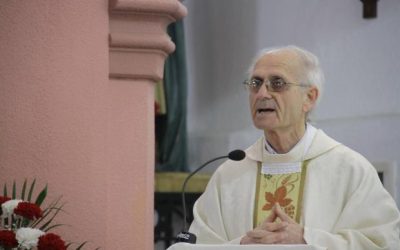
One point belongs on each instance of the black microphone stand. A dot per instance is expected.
(185, 229)
(185, 236)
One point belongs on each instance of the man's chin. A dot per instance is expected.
(265, 126)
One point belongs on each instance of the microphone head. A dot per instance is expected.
(237, 155)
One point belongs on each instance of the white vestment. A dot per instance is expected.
(345, 206)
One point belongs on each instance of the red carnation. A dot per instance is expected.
(2, 200)
(51, 241)
(28, 210)
(7, 239)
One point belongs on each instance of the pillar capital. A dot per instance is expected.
(138, 39)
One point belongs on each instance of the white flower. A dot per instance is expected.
(8, 207)
(28, 237)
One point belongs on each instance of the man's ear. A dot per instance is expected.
(310, 99)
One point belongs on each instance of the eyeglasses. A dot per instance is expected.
(274, 85)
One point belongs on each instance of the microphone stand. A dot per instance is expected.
(185, 229)
(185, 236)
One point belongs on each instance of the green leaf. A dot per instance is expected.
(31, 190)
(23, 190)
(81, 245)
(70, 244)
(50, 212)
(25, 222)
(47, 211)
(53, 226)
(14, 190)
(5, 190)
(41, 196)
(46, 224)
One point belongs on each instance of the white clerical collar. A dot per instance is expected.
(289, 167)
(271, 150)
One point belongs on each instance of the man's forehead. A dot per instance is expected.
(284, 62)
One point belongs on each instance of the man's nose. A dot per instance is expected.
(263, 91)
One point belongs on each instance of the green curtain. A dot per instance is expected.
(171, 132)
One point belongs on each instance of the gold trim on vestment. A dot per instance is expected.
(301, 192)
(255, 217)
(299, 206)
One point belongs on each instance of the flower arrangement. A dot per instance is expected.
(25, 226)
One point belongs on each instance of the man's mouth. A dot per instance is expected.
(266, 110)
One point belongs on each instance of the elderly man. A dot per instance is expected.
(296, 185)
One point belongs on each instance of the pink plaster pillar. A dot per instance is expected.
(138, 48)
(77, 109)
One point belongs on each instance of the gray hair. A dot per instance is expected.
(313, 72)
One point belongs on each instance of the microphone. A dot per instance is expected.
(185, 236)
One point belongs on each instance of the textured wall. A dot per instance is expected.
(53, 84)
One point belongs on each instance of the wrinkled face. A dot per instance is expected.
(286, 110)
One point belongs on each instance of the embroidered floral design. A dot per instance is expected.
(286, 180)
(284, 185)
(268, 176)
(278, 197)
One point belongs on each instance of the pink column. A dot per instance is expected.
(138, 48)
(77, 109)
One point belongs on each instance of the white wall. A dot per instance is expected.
(360, 58)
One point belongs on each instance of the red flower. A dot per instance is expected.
(7, 239)
(28, 210)
(278, 197)
(2, 200)
(51, 241)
